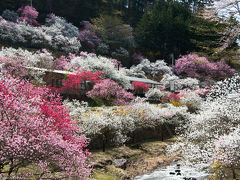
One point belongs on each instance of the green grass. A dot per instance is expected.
(99, 175)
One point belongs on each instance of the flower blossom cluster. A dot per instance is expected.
(199, 67)
(117, 122)
(28, 14)
(36, 130)
(208, 132)
(57, 34)
(93, 63)
(154, 93)
(186, 83)
(109, 92)
(147, 68)
(140, 87)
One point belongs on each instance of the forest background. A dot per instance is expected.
(145, 28)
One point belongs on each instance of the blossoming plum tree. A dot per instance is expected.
(110, 92)
(211, 135)
(74, 81)
(154, 69)
(93, 63)
(199, 67)
(28, 14)
(36, 130)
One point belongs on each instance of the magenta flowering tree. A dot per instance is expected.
(15, 67)
(37, 131)
(109, 92)
(199, 67)
(28, 14)
(224, 69)
(88, 39)
(62, 63)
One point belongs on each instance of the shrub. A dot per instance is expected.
(15, 67)
(116, 124)
(199, 67)
(88, 39)
(140, 87)
(61, 26)
(94, 63)
(38, 37)
(103, 49)
(28, 14)
(64, 35)
(208, 135)
(19, 62)
(120, 53)
(36, 130)
(154, 93)
(137, 58)
(187, 83)
(222, 88)
(80, 81)
(41, 58)
(155, 69)
(191, 99)
(10, 15)
(62, 63)
(226, 157)
(109, 92)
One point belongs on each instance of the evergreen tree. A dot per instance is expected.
(165, 29)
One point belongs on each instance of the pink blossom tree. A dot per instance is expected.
(37, 131)
(62, 63)
(15, 67)
(195, 66)
(109, 92)
(28, 14)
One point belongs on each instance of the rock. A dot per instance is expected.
(178, 170)
(120, 163)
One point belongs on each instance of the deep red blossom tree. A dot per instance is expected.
(36, 130)
(140, 87)
(81, 81)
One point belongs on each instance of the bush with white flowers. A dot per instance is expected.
(118, 122)
(227, 154)
(191, 100)
(40, 59)
(94, 63)
(187, 83)
(225, 87)
(154, 93)
(154, 69)
(53, 36)
(64, 35)
(215, 120)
